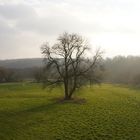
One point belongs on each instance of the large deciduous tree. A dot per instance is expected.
(67, 63)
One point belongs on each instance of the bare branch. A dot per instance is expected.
(66, 61)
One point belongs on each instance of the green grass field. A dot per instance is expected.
(29, 113)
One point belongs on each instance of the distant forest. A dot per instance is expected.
(120, 70)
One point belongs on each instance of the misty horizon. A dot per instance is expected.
(26, 58)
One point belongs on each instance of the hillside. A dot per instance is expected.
(21, 63)
(109, 113)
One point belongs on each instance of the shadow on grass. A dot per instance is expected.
(22, 120)
(75, 100)
(44, 107)
(53, 103)
(28, 111)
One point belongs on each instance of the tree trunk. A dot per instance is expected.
(71, 93)
(66, 90)
(67, 97)
(74, 88)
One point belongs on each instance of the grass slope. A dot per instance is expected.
(28, 113)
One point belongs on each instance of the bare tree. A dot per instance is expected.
(67, 62)
(7, 75)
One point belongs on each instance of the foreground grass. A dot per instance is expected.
(29, 113)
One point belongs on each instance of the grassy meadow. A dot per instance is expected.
(27, 112)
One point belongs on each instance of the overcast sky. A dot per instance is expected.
(113, 25)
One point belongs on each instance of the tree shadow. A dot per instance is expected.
(53, 103)
(75, 100)
(40, 108)
(44, 107)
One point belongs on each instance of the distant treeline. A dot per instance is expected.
(120, 69)
(17, 75)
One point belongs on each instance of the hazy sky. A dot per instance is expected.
(114, 25)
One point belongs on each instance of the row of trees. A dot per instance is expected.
(122, 70)
(119, 69)
(17, 75)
